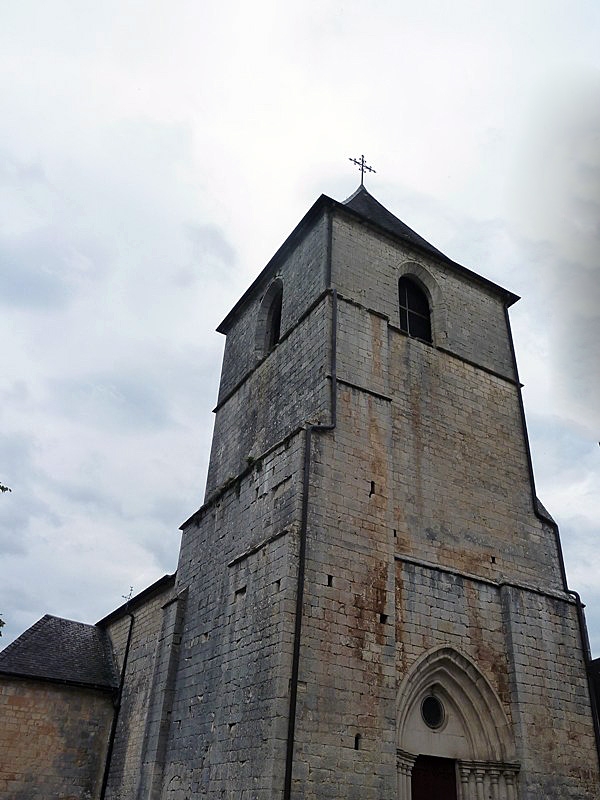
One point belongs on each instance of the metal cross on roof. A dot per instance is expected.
(362, 166)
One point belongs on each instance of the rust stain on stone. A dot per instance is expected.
(377, 458)
(487, 657)
(416, 430)
(377, 346)
(460, 558)
(400, 620)
(367, 630)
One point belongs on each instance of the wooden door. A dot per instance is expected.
(434, 779)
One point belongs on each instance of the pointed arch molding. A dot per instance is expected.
(477, 730)
(422, 277)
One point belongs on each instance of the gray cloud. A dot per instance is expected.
(559, 210)
(42, 270)
(17, 451)
(18, 511)
(567, 470)
(212, 256)
(140, 210)
(557, 445)
(87, 495)
(163, 543)
(23, 504)
(116, 401)
(580, 538)
(18, 173)
(32, 272)
(209, 242)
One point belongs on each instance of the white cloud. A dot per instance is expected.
(151, 163)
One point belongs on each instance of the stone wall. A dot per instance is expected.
(303, 274)
(345, 733)
(53, 740)
(468, 316)
(142, 686)
(422, 538)
(275, 393)
(238, 564)
(462, 491)
(551, 700)
(285, 389)
(427, 466)
(460, 488)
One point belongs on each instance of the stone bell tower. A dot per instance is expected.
(372, 599)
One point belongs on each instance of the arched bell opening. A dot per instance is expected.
(268, 328)
(429, 313)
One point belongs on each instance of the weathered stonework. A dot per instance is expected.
(415, 531)
(370, 540)
(52, 740)
(143, 645)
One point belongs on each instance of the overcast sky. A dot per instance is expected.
(154, 155)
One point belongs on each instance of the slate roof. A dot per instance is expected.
(371, 209)
(61, 650)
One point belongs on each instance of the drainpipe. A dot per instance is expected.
(113, 729)
(310, 430)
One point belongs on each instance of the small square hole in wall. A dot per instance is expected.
(277, 584)
(383, 618)
(239, 593)
(493, 559)
(330, 580)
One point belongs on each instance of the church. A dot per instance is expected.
(371, 603)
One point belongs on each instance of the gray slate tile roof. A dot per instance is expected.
(58, 649)
(365, 204)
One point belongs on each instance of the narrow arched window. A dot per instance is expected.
(274, 320)
(415, 316)
(268, 331)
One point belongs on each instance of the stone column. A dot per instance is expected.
(479, 776)
(494, 774)
(404, 763)
(509, 779)
(465, 781)
(408, 783)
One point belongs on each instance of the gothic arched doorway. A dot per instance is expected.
(454, 739)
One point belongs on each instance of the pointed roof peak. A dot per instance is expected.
(363, 203)
(361, 190)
